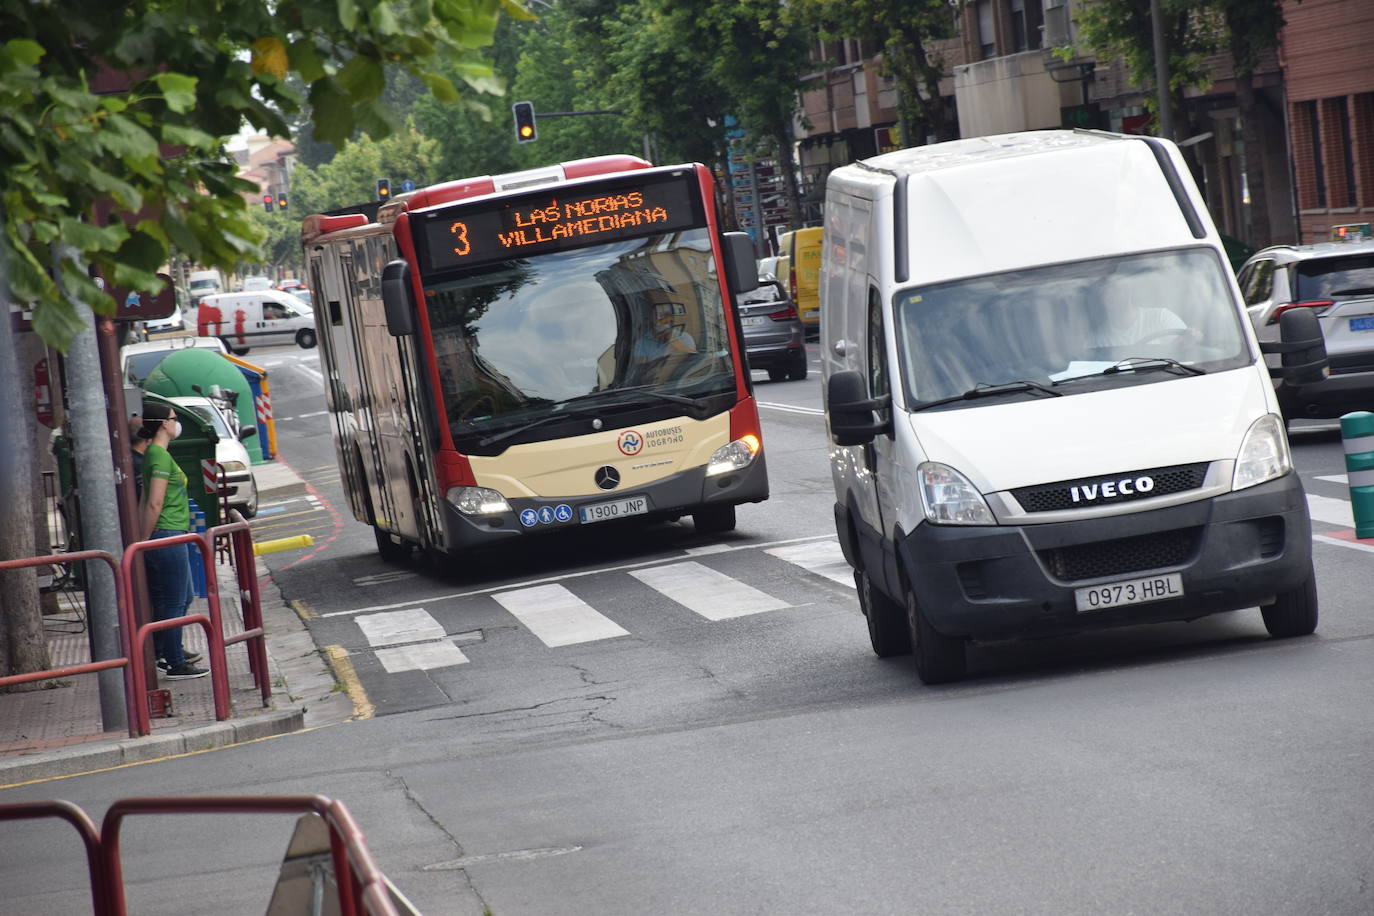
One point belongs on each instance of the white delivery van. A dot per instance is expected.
(257, 318)
(202, 283)
(1050, 412)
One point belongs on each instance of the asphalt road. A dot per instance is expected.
(766, 761)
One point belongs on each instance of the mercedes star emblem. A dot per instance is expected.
(607, 478)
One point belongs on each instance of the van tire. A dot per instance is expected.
(305, 338)
(389, 550)
(714, 519)
(1294, 613)
(939, 658)
(797, 368)
(237, 351)
(887, 629)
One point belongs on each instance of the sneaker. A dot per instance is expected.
(162, 664)
(185, 672)
(191, 657)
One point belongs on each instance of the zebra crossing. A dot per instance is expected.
(412, 639)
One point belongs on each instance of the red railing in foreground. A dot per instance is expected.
(362, 887)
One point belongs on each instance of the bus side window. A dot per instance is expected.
(335, 313)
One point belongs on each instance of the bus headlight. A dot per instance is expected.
(733, 457)
(949, 499)
(1263, 454)
(477, 501)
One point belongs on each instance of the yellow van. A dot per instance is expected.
(802, 248)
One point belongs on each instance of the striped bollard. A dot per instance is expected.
(1357, 434)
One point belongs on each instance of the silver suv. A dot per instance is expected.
(1336, 281)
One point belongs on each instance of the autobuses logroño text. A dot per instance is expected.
(512, 355)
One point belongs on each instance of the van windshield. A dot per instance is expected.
(1074, 327)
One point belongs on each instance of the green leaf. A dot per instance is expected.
(305, 60)
(362, 78)
(348, 14)
(57, 322)
(22, 53)
(178, 89)
(480, 76)
(377, 119)
(88, 237)
(516, 10)
(188, 136)
(332, 112)
(441, 86)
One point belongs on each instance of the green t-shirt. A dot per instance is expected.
(176, 509)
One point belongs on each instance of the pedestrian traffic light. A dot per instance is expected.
(281, 201)
(525, 131)
(267, 202)
(384, 189)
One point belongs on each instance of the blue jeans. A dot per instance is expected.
(169, 592)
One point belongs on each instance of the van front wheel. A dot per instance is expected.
(887, 629)
(306, 338)
(1294, 613)
(939, 658)
(714, 519)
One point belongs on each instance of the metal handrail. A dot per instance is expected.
(95, 865)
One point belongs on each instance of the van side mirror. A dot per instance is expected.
(1302, 348)
(741, 272)
(849, 409)
(400, 315)
(247, 432)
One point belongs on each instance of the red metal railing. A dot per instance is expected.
(250, 599)
(363, 889)
(123, 607)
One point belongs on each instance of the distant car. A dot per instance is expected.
(230, 454)
(773, 335)
(302, 294)
(768, 268)
(1336, 281)
(174, 322)
(138, 360)
(290, 285)
(256, 283)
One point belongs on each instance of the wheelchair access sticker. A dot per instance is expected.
(546, 515)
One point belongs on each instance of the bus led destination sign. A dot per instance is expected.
(555, 221)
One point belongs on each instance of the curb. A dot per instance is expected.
(303, 688)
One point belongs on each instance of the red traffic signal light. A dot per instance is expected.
(267, 202)
(525, 130)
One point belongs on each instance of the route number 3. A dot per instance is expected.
(460, 232)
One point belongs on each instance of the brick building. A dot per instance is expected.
(1329, 79)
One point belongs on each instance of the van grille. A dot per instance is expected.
(1050, 497)
(1124, 555)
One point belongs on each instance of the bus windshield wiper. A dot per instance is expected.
(585, 405)
(982, 390)
(1137, 363)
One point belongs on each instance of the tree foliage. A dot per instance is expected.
(351, 176)
(122, 107)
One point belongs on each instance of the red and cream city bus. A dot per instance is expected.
(512, 355)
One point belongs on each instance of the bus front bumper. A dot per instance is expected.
(671, 497)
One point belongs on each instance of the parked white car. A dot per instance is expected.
(138, 360)
(229, 453)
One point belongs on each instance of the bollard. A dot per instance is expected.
(1357, 434)
(300, 540)
(193, 552)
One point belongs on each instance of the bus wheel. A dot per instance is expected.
(714, 519)
(939, 658)
(306, 338)
(390, 550)
(887, 629)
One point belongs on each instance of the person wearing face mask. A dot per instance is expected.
(166, 511)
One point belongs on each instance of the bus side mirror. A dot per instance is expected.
(849, 409)
(1302, 348)
(741, 273)
(400, 320)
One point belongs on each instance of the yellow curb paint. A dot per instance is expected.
(262, 547)
(344, 673)
(266, 521)
(303, 610)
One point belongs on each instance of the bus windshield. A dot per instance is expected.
(516, 340)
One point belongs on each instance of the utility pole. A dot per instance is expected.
(94, 461)
(1166, 114)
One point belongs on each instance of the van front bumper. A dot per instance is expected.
(1232, 551)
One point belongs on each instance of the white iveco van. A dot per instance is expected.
(1049, 410)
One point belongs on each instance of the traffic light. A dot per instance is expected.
(384, 189)
(267, 202)
(281, 201)
(525, 131)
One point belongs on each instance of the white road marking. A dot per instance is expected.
(1339, 542)
(1331, 511)
(559, 578)
(712, 594)
(707, 550)
(1337, 478)
(824, 558)
(792, 408)
(421, 656)
(396, 627)
(557, 616)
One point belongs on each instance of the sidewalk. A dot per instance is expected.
(57, 731)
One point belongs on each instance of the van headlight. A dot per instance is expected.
(735, 456)
(477, 501)
(1263, 453)
(949, 499)
(233, 467)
